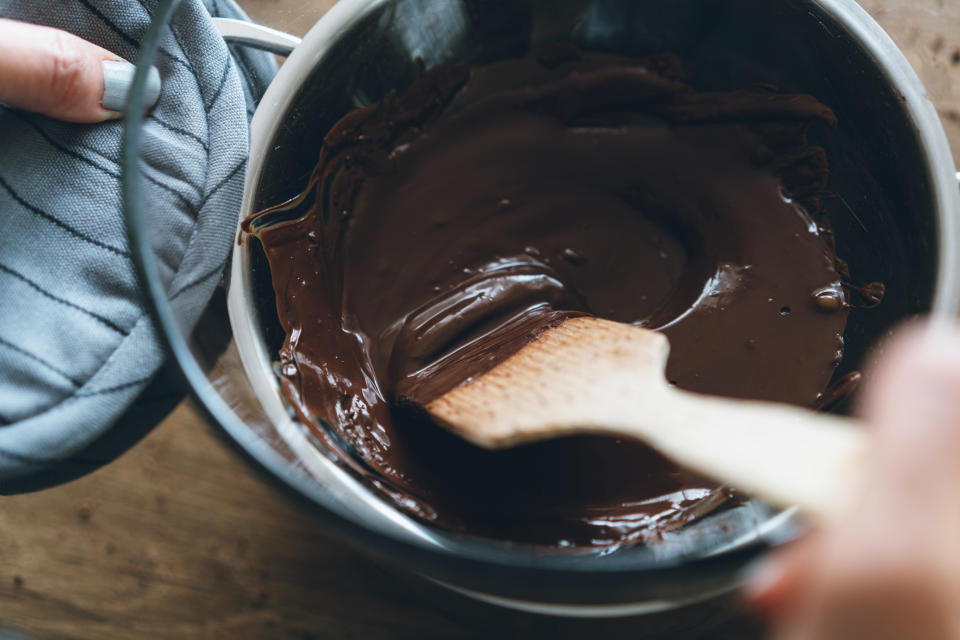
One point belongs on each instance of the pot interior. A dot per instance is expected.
(881, 204)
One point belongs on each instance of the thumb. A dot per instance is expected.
(889, 565)
(55, 73)
(913, 476)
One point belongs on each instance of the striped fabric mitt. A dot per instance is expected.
(77, 345)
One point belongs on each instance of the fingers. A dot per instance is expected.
(55, 73)
(888, 566)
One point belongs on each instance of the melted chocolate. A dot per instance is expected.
(449, 226)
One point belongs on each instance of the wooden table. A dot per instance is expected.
(179, 538)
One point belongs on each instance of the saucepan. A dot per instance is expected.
(895, 214)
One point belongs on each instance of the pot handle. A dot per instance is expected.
(256, 36)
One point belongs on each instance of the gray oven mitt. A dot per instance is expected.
(77, 344)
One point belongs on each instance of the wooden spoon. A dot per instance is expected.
(592, 376)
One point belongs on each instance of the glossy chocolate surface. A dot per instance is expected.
(447, 227)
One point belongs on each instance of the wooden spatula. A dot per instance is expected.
(592, 376)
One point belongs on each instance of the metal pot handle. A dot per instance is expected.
(256, 36)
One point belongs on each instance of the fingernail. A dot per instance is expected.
(117, 80)
(759, 576)
(765, 586)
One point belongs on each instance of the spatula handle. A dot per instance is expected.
(785, 454)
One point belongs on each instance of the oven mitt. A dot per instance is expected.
(77, 344)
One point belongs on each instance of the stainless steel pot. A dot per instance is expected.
(896, 216)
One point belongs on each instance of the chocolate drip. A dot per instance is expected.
(837, 392)
(868, 295)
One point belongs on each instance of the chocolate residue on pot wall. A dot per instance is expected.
(450, 225)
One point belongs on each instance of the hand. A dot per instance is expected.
(57, 74)
(889, 565)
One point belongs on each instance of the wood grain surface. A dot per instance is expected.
(180, 538)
